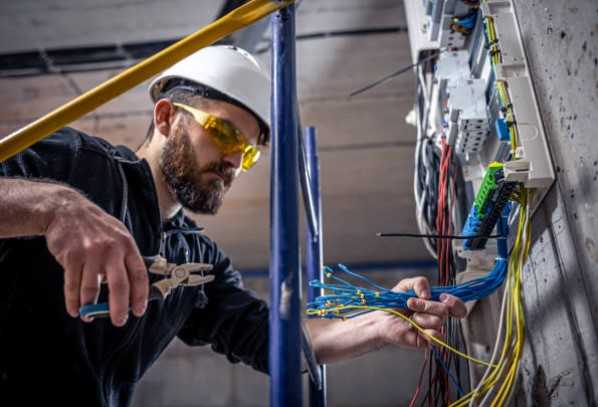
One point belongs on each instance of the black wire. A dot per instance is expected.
(392, 75)
(432, 236)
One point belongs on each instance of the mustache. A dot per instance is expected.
(225, 170)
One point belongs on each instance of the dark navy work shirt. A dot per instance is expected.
(46, 353)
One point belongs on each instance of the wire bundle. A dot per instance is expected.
(506, 108)
(496, 385)
(345, 294)
(351, 300)
(347, 300)
(427, 162)
(444, 226)
(442, 361)
(492, 40)
(436, 178)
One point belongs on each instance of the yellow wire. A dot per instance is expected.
(514, 321)
(494, 49)
(511, 310)
(507, 385)
(394, 312)
(505, 101)
(514, 317)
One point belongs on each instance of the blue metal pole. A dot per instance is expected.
(314, 250)
(285, 339)
(308, 200)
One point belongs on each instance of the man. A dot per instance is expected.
(76, 211)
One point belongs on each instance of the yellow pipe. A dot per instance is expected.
(133, 76)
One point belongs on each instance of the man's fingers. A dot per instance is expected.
(118, 290)
(421, 340)
(90, 284)
(139, 283)
(411, 339)
(428, 321)
(428, 307)
(431, 333)
(456, 307)
(72, 287)
(420, 285)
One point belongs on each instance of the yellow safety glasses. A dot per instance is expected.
(227, 137)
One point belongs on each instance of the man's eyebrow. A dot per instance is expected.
(229, 122)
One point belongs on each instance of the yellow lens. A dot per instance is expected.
(250, 157)
(223, 131)
(223, 141)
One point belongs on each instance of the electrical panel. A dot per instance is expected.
(482, 162)
(476, 91)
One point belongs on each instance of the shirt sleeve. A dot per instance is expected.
(49, 159)
(234, 321)
(71, 158)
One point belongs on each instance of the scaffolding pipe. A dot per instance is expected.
(284, 357)
(304, 178)
(133, 76)
(314, 261)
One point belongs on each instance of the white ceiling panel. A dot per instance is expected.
(34, 24)
(334, 67)
(345, 15)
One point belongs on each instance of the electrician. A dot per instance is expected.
(77, 212)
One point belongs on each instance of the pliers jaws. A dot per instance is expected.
(188, 274)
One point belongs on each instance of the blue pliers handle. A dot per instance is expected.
(102, 310)
(178, 275)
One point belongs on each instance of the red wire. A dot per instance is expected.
(443, 225)
(419, 383)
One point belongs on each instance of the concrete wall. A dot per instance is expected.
(560, 364)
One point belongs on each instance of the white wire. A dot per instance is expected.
(420, 196)
(496, 346)
(423, 226)
(423, 83)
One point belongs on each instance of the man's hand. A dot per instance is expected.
(334, 340)
(93, 246)
(429, 314)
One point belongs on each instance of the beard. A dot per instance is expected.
(185, 177)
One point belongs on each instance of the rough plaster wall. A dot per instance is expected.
(560, 364)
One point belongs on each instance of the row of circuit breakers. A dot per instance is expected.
(478, 88)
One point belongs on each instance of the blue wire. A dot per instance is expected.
(448, 371)
(355, 295)
(347, 294)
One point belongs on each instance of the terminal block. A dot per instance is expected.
(494, 193)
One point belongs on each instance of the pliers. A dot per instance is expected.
(178, 275)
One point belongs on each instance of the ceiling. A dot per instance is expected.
(366, 149)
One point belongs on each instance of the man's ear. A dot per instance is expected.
(163, 116)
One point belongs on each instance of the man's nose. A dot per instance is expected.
(234, 159)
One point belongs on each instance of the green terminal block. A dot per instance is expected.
(492, 197)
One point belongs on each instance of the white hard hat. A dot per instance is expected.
(229, 70)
